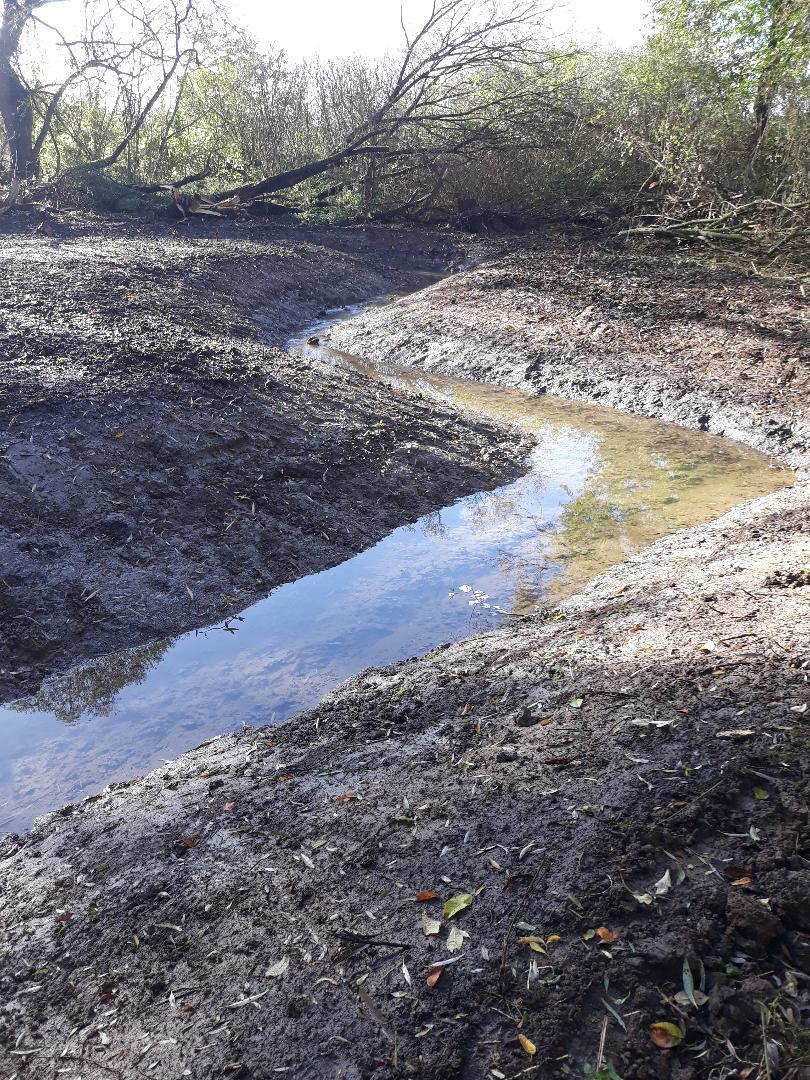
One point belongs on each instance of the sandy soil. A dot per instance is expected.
(597, 816)
(160, 466)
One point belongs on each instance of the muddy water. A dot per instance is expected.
(599, 486)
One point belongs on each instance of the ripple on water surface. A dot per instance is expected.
(599, 486)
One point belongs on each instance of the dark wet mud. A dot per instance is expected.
(513, 857)
(164, 462)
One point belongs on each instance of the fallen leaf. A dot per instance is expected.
(455, 939)
(699, 996)
(665, 1034)
(527, 1044)
(425, 895)
(663, 885)
(189, 841)
(278, 969)
(688, 982)
(406, 974)
(430, 927)
(735, 733)
(575, 703)
(433, 976)
(607, 935)
(456, 904)
(347, 796)
(229, 806)
(536, 944)
(761, 793)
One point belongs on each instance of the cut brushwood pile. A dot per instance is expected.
(200, 204)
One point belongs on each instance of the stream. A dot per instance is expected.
(599, 486)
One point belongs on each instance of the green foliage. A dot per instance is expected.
(711, 113)
(605, 1072)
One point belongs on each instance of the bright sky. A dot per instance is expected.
(329, 28)
(371, 27)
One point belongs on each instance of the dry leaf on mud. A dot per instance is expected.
(430, 927)
(607, 935)
(535, 943)
(663, 885)
(527, 1044)
(644, 898)
(575, 703)
(189, 841)
(690, 995)
(279, 969)
(433, 976)
(735, 733)
(665, 1035)
(682, 999)
(347, 796)
(406, 974)
(425, 895)
(229, 806)
(455, 939)
(456, 904)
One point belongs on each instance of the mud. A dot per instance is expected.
(617, 788)
(712, 348)
(163, 462)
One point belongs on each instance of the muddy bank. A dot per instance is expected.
(713, 349)
(615, 793)
(635, 761)
(160, 466)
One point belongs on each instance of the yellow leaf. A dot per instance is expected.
(665, 1034)
(527, 1044)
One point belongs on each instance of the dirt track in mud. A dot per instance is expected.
(160, 466)
(616, 788)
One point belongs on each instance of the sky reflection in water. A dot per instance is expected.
(600, 485)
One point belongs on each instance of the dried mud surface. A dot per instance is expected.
(615, 787)
(160, 465)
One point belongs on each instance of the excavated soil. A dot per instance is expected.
(718, 349)
(163, 462)
(594, 820)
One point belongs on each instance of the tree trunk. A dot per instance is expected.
(15, 101)
(287, 179)
(768, 79)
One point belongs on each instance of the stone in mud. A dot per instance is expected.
(526, 718)
(507, 753)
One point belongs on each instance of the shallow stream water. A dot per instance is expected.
(599, 485)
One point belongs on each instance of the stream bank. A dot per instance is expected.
(164, 461)
(613, 787)
(721, 350)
